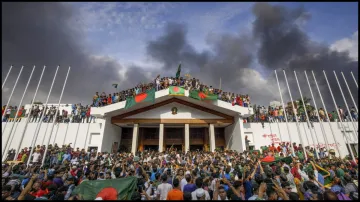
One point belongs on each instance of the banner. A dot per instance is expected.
(174, 90)
(202, 96)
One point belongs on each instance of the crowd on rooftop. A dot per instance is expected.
(78, 114)
(165, 82)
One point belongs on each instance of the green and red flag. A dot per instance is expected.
(175, 90)
(269, 160)
(89, 190)
(196, 94)
(148, 96)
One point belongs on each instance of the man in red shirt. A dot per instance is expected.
(272, 148)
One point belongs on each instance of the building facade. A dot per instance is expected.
(180, 122)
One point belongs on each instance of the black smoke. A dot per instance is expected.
(44, 33)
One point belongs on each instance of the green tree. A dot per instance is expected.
(300, 108)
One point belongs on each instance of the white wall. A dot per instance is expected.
(260, 136)
(111, 134)
(184, 112)
(60, 131)
(234, 134)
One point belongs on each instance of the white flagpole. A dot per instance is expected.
(7, 75)
(287, 125)
(28, 118)
(354, 80)
(7, 104)
(87, 134)
(352, 98)
(307, 139)
(57, 110)
(77, 132)
(279, 130)
(11, 135)
(341, 123)
(326, 113)
(317, 114)
(297, 123)
(67, 127)
(46, 129)
(38, 125)
(347, 106)
(57, 130)
(306, 115)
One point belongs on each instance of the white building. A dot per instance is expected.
(195, 125)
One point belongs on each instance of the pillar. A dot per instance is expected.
(161, 137)
(187, 140)
(135, 138)
(212, 137)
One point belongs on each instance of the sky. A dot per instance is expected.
(127, 43)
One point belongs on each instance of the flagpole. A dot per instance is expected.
(326, 113)
(341, 123)
(306, 114)
(38, 125)
(7, 104)
(287, 124)
(46, 129)
(87, 134)
(57, 130)
(67, 127)
(317, 114)
(354, 80)
(57, 110)
(307, 139)
(11, 135)
(347, 106)
(352, 98)
(77, 132)
(220, 83)
(297, 123)
(7, 75)
(28, 118)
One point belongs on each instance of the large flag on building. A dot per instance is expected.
(196, 94)
(175, 90)
(148, 96)
(88, 190)
(178, 71)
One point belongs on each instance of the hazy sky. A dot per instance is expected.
(129, 43)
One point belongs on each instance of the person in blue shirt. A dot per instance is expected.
(66, 156)
(113, 98)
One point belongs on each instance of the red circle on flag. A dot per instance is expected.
(140, 97)
(176, 89)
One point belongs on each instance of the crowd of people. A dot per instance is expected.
(79, 114)
(177, 175)
(277, 114)
(165, 82)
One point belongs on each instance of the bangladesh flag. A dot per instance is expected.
(268, 161)
(178, 71)
(88, 190)
(196, 94)
(174, 90)
(148, 96)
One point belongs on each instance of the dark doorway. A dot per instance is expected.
(151, 147)
(196, 147)
(174, 147)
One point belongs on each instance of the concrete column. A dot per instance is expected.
(187, 138)
(135, 138)
(161, 137)
(212, 137)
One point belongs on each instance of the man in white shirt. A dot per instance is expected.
(200, 193)
(183, 182)
(163, 188)
(36, 156)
